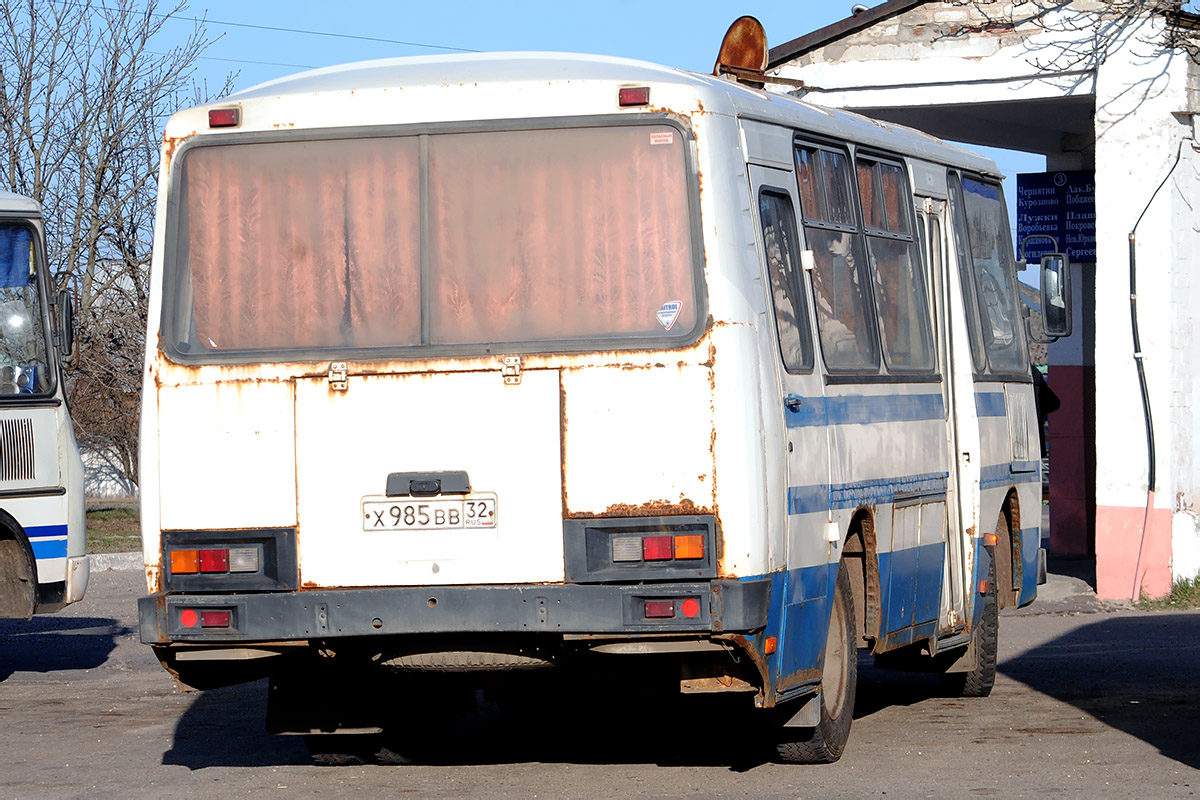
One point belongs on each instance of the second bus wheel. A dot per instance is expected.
(839, 681)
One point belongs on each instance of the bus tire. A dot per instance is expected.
(18, 578)
(978, 681)
(839, 681)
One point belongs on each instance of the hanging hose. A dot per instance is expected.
(1151, 460)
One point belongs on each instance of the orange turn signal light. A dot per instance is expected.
(984, 585)
(770, 644)
(990, 539)
(185, 562)
(689, 546)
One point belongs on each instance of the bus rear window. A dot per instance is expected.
(552, 235)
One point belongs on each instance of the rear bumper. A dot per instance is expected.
(724, 606)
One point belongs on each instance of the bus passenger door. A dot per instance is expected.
(933, 226)
(798, 454)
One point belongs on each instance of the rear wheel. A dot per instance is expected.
(839, 680)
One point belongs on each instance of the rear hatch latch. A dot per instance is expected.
(339, 380)
(512, 370)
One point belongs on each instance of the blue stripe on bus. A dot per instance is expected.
(1002, 475)
(48, 541)
(822, 497)
(990, 404)
(49, 548)
(45, 531)
(865, 410)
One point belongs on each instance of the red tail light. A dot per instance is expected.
(214, 560)
(660, 609)
(216, 618)
(690, 608)
(658, 548)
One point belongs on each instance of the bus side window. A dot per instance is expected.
(995, 275)
(781, 247)
(840, 275)
(962, 255)
(899, 280)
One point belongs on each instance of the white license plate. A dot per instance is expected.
(429, 513)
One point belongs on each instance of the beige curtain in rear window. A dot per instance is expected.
(533, 235)
(302, 245)
(558, 234)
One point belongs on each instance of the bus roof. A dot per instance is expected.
(11, 203)
(717, 95)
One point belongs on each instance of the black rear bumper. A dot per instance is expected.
(723, 606)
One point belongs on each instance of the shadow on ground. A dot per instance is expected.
(1138, 673)
(51, 644)
(225, 727)
(1080, 567)
(549, 722)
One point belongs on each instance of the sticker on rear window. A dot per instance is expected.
(669, 312)
(662, 137)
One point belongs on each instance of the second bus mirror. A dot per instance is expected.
(66, 323)
(1056, 295)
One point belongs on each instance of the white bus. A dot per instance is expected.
(471, 364)
(42, 540)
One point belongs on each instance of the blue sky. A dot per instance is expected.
(676, 34)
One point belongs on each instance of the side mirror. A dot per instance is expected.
(66, 323)
(1056, 295)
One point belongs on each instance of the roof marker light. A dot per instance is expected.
(633, 96)
(224, 117)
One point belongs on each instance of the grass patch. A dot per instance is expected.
(114, 530)
(1185, 593)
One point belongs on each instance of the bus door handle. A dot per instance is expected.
(793, 402)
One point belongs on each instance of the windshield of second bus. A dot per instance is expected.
(24, 367)
(459, 239)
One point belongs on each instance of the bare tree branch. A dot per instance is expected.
(84, 95)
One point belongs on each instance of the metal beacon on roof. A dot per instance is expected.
(743, 51)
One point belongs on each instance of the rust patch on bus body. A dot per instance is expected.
(746, 646)
(651, 508)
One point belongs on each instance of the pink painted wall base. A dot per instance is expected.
(1118, 541)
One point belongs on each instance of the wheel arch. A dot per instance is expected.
(1007, 552)
(860, 550)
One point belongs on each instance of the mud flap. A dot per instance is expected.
(808, 715)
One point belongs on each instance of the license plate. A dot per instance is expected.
(429, 513)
